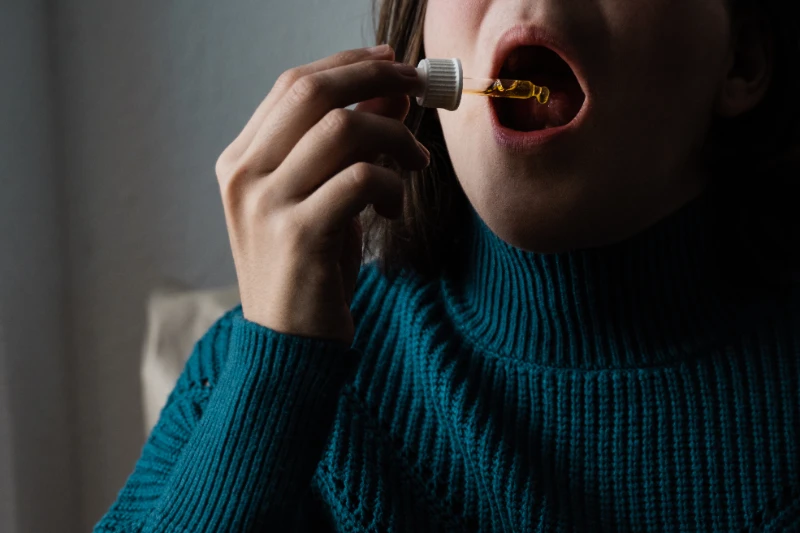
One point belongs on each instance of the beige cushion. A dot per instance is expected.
(175, 322)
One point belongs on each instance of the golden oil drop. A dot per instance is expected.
(521, 89)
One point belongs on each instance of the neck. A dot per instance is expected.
(646, 301)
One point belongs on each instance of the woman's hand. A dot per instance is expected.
(295, 180)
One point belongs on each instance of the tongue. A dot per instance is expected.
(531, 115)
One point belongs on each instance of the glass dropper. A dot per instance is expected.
(444, 83)
(506, 89)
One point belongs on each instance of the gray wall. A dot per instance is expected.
(8, 498)
(37, 493)
(150, 93)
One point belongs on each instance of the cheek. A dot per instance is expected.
(665, 70)
(678, 50)
(453, 29)
(451, 26)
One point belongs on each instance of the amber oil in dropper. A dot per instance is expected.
(444, 83)
(520, 89)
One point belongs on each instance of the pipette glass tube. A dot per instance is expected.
(443, 83)
(506, 89)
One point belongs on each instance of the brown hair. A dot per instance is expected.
(425, 238)
(753, 159)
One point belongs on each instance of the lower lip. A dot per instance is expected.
(525, 141)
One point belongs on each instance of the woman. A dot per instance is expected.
(582, 316)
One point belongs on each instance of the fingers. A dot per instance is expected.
(340, 140)
(313, 96)
(349, 192)
(288, 78)
(395, 107)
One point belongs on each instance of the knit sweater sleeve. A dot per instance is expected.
(240, 435)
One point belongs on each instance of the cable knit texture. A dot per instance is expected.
(626, 388)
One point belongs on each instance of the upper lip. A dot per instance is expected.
(527, 35)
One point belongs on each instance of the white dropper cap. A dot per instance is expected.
(444, 81)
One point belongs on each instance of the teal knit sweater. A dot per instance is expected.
(620, 389)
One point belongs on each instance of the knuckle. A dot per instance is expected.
(360, 175)
(262, 195)
(338, 122)
(307, 88)
(347, 57)
(233, 184)
(287, 79)
(221, 166)
(226, 163)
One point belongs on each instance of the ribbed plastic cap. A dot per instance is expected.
(444, 81)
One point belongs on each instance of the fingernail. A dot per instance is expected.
(406, 70)
(378, 50)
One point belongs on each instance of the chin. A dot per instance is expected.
(552, 223)
(543, 240)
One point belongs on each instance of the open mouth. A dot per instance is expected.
(544, 67)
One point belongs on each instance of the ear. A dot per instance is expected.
(749, 67)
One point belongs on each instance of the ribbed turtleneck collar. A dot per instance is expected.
(646, 301)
